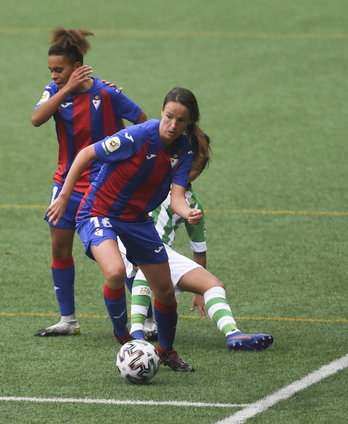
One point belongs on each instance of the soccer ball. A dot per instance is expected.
(137, 361)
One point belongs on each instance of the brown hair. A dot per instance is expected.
(71, 43)
(207, 158)
(199, 141)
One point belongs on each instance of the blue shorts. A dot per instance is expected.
(141, 239)
(68, 219)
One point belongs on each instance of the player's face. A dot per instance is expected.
(60, 69)
(175, 118)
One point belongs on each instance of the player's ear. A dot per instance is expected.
(77, 65)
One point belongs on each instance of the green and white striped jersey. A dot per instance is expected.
(167, 222)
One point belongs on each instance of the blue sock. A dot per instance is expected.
(129, 283)
(63, 274)
(115, 301)
(149, 311)
(138, 335)
(166, 319)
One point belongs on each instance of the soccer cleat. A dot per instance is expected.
(150, 330)
(124, 339)
(173, 361)
(240, 341)
(62, 328)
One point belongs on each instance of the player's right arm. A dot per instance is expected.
(47, 108)
(57, 208)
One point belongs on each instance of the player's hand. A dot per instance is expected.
(111, 84)
(198, 302)
(195, 216)
(56, 210)
(79, 76)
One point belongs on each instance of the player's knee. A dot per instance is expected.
(61, 250)
(165, 294)
(214, 282)
(115, 276)
(219, 284)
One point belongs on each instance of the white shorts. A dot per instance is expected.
(131, 270)
(179, 265)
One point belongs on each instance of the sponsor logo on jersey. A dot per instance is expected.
(159, 249)
(66, 104)
(111, 144)
(150, 156)
(129, 137)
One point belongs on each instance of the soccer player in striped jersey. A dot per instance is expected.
(190, 276)
(85, 110)
(141, 164)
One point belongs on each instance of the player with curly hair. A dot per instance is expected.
(85, 110)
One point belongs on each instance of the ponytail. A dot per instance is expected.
(200, 143)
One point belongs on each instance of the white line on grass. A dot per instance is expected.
(121, 402)
(263, 404)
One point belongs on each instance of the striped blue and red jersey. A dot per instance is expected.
(85, 118)
(137, 173)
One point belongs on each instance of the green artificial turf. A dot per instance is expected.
(270, 78)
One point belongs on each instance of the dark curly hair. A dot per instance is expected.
(70, 43)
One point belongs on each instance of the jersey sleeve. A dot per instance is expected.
(182, 170)
(120, 146)
(123, 107)
(49, 91)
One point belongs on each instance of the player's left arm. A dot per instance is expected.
(142, 118)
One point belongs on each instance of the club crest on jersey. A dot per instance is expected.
(174, 160)
(111, 144)
(191, 201)
(96, 102)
